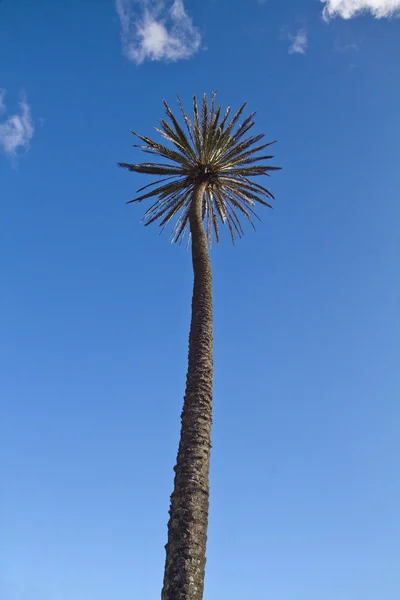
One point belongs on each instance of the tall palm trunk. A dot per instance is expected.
(187, 527)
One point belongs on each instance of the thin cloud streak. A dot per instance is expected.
(2, 105)
(152, 31)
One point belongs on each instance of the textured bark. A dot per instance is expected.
(187, 527)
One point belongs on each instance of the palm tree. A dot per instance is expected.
(205, 182)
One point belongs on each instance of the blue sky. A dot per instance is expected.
(95, 308)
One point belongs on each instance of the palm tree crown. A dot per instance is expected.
(212, 151)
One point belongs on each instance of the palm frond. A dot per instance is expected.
(152, 169)
(210, 147)
(164, 191)
(188, 122)
(197, 130)
(179, 133)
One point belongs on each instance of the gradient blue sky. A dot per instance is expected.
(95, 308)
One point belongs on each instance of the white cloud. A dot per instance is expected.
(18, 129)
(152, 31)
(351, 8)
(299, 42)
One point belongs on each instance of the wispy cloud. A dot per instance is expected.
(151, 30)
(17, 130)
(2, 105)
(350, 46)
(351, 8)
(298, 41)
